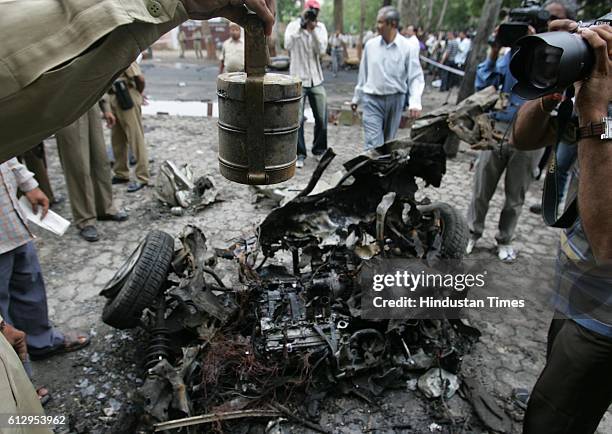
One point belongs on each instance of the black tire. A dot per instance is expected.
(455, 231)
(143, 284)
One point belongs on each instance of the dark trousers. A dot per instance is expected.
(23, 299)
(35, 160)
(575, 388)
(449, 80)
(318, 103)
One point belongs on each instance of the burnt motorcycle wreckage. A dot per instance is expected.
(291, 329)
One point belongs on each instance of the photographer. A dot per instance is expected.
(575, 388)
(306, 41)
(518, 164)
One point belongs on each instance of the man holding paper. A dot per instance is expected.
(23, 299)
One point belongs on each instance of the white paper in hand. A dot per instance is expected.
(52, 222)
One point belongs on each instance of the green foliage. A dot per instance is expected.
(592, 9)
(460, 14)
(288, 10)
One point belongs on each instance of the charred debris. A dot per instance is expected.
(290, 331)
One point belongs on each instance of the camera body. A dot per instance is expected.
(550, 62)
(531, 13)
(310, 15)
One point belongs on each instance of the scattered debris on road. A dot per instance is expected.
(291, 332)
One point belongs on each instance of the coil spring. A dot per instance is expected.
(159, 344)
(159, 347)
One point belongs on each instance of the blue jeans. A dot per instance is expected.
(382, 115)
(318, 103)
(23, 299)
(336, 55)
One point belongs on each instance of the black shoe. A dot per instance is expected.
(117, 180)
(89, 233)
(536, 209)
(119, 216)
(57, 200)
(135, 186)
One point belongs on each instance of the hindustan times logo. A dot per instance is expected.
(412, 281)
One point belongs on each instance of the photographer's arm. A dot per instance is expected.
(533, 129)
(595, 155)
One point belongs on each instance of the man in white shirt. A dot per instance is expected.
(465, 44)
(306, 41)
(389, 69)
(232, 53)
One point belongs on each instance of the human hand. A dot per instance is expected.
(233, 10)
(593, 94)
(110, 119)
(414, 113)
(37, 197)
(549, 102)
(17, 339)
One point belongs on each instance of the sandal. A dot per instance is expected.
(73, 341)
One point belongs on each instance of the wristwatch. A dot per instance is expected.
(602, 129)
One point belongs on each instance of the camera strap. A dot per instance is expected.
(552, 189)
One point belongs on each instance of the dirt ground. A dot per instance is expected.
(93, 386)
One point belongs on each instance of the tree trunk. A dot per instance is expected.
(211, 50)
(487, 22)
(442, 14)
(430, 8)
(409, 12)
(486, 25)
(362, 18)
(339, 16)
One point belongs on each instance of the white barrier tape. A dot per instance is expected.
(458, 72)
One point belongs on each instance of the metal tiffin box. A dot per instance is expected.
(258, 118)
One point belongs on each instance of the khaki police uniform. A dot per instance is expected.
(128, 130)
(57, 59)
(82, 152)
(182, 44)
(197, 44)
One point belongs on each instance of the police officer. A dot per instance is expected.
(197, 43)
(125, 104)
(82, 152)
(181, 39)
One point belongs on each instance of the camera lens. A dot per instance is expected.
(543, 65)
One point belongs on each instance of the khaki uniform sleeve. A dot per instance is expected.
(58, 58)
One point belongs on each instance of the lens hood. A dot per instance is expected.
(574, 62)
